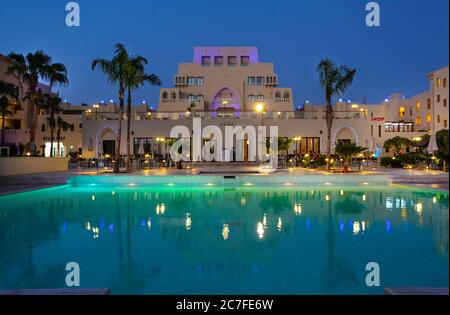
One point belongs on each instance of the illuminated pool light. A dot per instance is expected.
(225, 232)
(260, 230)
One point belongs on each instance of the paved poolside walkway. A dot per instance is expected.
(417, 178)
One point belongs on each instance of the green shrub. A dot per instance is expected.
(412, 158)
(391, 162)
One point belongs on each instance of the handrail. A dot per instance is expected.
(177, 115)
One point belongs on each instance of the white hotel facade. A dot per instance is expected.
(229, 86)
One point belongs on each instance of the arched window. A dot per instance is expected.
(43, 127)
(286, 94)
(173, 95)
(277, 94)
(165, 95)
(72, 127)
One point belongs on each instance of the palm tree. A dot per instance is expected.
(18, 70)
(61, 125)
(135, 77)
(52, 107)
(31, 68)
(398, 144)
(335, 80)
(114, 70)
(6, 90)
(346, 151)
(51, 122)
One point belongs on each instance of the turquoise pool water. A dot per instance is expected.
(209, 239)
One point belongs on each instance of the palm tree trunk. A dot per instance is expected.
(51, 138)
(3, 129)
(119, 130)
(58, 139)
(329, 120)
(31, 115)
(129, 161)
(52, 132)
(345, 165)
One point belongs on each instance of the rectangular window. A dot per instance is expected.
(445, 82)
(445, 102)
(439, 119)
(438, 98)
(418, 120)
(191, 99)
(418, 106)
(379, 131)
(206, 61)
(260, 97)
(191, 81)
(218, 61)
(428, 103)
(428, 118)
(445, 123)
(251, 81)
(232, 61)
(401, 111)
(200, 81)
(308, 145)
(438, 82)
(260, 81)
(245, 61)
(371, 130)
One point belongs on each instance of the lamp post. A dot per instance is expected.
(260, 109)
(354, 106)
(96, 106)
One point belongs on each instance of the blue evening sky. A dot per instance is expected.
(294, 34)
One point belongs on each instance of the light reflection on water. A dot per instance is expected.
(225, 240)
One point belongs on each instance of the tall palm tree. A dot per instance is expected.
(61, 125)
(335, 80)
(135, 77)
(114, 70)
(31, 68)
(18, 70)
(7, 91)
(51, 122)
(52, 107)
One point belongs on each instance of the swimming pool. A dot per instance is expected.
(218, 239)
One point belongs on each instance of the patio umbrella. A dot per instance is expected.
(141, 150)
(432, 145)
(372, 147)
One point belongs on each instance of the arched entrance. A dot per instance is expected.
(106, 141)
(345, 134)
(226, 103)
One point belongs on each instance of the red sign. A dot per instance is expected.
(377, 119)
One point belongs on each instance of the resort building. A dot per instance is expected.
(225, 81)
(229, 86)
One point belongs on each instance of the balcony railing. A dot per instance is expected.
(282, 115)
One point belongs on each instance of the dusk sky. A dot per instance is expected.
(293, 34)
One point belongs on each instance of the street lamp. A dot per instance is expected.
(260, 109)
(354, 106)
(96, 106)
